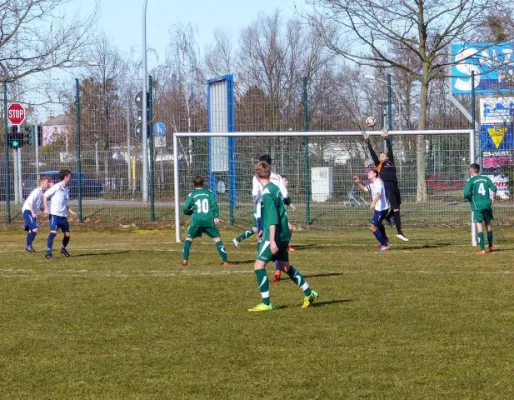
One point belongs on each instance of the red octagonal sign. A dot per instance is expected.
(16, 114)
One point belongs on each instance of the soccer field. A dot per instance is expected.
(122, 319)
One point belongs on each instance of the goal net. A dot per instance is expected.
(432, 168)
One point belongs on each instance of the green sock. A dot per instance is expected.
(245, 235)
(297, 278)
(187, 247)
(490, 237)
(263, 283)
(222, 251)
(481, 240)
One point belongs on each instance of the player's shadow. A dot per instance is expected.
(426, 246)
(107, 253)
(330, 302)
(317, 303)
(239, 262)
(323, 275)
(304, 246)
(502, 250)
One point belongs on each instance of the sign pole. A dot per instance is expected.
(162, 169)
(6, 154)
(473, 149)
(20, 176)
(15, 173)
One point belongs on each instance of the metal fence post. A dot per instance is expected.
(79, 164)
(152, 164)
(306, 154)
(7, 173)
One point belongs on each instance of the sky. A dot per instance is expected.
(121, 20)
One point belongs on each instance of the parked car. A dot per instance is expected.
(445, 182)
(89, 188)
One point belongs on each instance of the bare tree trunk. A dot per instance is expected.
(421, 192)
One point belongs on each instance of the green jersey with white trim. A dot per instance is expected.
(477, 192)
(203, 207)
(273, 212)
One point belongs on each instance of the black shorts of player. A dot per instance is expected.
(393, 196)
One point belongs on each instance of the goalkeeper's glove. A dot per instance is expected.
(384, 133)
(365, 136)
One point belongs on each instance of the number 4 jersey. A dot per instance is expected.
(203, 207)
(477, 192)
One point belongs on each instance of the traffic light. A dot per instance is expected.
(15, 138)
(30, 135)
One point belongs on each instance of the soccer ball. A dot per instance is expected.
(371, 121)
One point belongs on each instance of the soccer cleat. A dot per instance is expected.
(385, 248)
(491, 249)
(236, 243)
(228, 264)
(184, 263)
(481, 252)
(380, 245)
(308, 300)
(389, 222)
(261, 307)
(290, 248)
(276, 277)
(401, 236)
(30, 249)
(64, 252)
(48, 255)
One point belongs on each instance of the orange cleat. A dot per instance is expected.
(185, 262)
(481, 252)
(277, 276)
(491, 249)
(228, 264)
(289, 248)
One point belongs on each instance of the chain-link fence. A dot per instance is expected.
(111, 154)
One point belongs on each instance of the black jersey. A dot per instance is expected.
(386, 169)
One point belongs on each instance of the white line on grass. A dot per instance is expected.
(165, 274)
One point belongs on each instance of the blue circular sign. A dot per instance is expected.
(159, 129)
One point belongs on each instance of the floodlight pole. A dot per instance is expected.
(144, 127)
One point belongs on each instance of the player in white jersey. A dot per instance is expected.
(58, 212)
(257, 197)
(30, 210)
(379, 203)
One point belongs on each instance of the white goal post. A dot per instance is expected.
(336, 146)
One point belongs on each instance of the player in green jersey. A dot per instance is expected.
(202, 205)
(275, 237)
(477, 192)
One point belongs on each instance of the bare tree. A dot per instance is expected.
(36, 36)
(183, 63)
(219, 58)
(368, 31)
(275, 56)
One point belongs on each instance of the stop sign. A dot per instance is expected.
(16, 114)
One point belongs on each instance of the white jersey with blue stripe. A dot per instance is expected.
(36, 199)
(375, 188)
(59, 196)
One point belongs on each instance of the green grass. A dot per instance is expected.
(122, 319)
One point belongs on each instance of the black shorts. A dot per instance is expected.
(393, 196)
